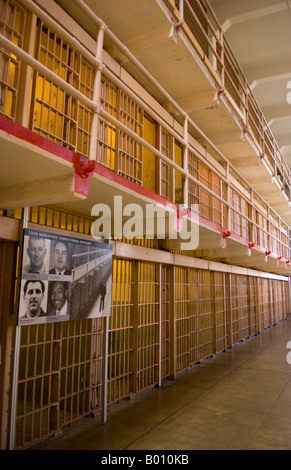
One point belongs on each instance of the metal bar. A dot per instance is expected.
(96, 95)
(185, 163)
(160, 312)
(53, 25)
(105, 373)
(29, 60)
(140, 140)
(17, 342)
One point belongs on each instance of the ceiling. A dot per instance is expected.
(259, 32)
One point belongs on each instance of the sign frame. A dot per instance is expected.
(80, 288)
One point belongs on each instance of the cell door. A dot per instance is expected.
(8, 251)
(164, 323)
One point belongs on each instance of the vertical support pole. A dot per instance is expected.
(246, 103)
(96, 94)
(16, 342)
(213, 41)
(117, 133)
(280, 287)
(282, 316)
(225, 310)
(134, 324)
(105, 371)
(272, 314)
(249, 306)
(281, 299)
(269, 236)
(93, 156)
(160, 313)
(258, 313)
(105, 362)
(283, 309)
(26, 74)
(213, 289)
(159, 165)
(222, 60)
(288, 296)
(181, 11)
(252, 229)
(228, 218)
(185, 163)
(229, 309)
(55, 380)
(173, 332)
(171, 169)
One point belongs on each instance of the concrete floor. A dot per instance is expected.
(238, 400)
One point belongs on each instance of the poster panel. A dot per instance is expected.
(63, 278)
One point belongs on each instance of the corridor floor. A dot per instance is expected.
(239, 400)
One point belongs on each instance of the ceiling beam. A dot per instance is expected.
(282, 120)
(272, 70)
(283, 140)
(270, 79)
(273, 113)
(255, 14)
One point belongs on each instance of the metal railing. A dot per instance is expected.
(207, 37)
(67, 85)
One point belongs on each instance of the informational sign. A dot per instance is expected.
(63, 278)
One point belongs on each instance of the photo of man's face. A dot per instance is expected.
(58, 295)
(60, 256)
(33, 297)
(36, 251)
